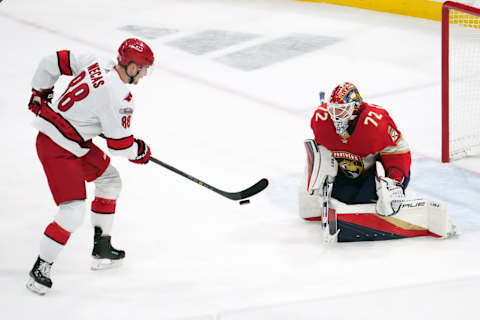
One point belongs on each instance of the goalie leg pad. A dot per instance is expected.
(431, 214)
(309, 206)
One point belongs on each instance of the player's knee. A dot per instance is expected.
(109, 184)
(70, 214)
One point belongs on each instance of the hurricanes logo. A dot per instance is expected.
(351, 164)
(139, 48)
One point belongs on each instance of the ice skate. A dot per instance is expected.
(104, 255)
(452, 231)
(40, 281)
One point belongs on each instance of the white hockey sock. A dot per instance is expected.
(104, 221)
(49, 249)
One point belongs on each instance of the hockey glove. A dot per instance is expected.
(143, 154)
(390, 193)
(39, 97)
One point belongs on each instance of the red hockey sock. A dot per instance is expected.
(55, 232)
(103, 213)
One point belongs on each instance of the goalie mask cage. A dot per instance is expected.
(460, 81)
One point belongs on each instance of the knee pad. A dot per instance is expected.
(70, 214)
(109, 184)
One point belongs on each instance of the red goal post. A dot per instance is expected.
(460, 80)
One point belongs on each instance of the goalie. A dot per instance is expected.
(357, 172)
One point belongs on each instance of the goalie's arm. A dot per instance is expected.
(397, 161)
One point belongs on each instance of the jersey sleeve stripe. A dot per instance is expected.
(120, 144)
(63, 58)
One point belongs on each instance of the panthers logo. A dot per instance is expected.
(351, 164)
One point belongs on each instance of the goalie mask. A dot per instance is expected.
(344, 100)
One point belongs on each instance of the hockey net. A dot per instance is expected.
(460, 81)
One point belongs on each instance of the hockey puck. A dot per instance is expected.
(244, 202)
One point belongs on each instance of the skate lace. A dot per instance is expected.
(44, 268)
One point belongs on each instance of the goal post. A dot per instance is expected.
(460, 81)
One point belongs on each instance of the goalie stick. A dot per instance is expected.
(329, 216)
(244, 194)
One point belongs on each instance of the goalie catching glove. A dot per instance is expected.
(390, 193)
(143, 153)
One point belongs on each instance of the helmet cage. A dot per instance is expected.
(341, 113)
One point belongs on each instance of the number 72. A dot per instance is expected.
(370, 118)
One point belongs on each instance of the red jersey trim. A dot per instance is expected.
(120, 144)
(62, 125)
(63, 58)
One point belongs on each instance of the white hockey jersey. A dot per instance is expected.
(95, 102)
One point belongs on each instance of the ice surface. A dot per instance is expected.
(192, 254)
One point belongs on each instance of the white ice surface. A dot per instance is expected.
(192, 254)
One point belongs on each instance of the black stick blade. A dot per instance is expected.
(247, 193)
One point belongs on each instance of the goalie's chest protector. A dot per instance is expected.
(373, 131)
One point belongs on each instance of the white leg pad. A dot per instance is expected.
(424, 213)
(431, 214)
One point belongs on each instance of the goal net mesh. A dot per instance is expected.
(464, 84)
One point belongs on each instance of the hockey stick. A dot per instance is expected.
(253, 190)
(244, 194)
(329, 217)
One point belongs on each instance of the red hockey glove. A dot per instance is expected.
(35, 103)
(143, 154)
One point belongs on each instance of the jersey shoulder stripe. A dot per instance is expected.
(64, 65)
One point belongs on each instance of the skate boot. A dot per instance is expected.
(104, 255)
(40, 281)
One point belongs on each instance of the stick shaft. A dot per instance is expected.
(256, 188)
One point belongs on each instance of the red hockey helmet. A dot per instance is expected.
(135, 50)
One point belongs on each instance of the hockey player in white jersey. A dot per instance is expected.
(96, 102)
